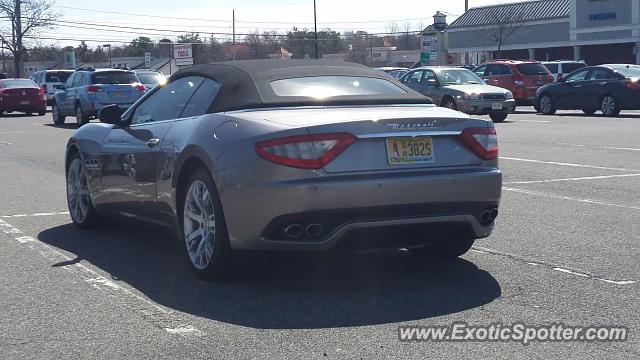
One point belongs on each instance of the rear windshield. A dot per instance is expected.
(57, 77)
(116, 77)
(19, 83)
(630, 72)
(322, 87)
(532, 69)
(571, 67)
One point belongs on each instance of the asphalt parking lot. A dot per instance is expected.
(565, 249)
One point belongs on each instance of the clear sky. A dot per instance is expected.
(207, 16)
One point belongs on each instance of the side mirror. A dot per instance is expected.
(111, 114)
(432, 82)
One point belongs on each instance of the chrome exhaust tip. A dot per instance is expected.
(293, 231)
(313, 230)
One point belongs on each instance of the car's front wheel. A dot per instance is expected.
(546, 105)
(450, 104)
(78, 196)
(499, 116)
(58, 118)
(203, 227)
(447, 249)
(609, 106)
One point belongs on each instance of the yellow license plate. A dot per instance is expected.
(118, 94)
(410, 150)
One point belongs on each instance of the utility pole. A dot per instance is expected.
(466, 5)
(233, 48)
(315, 25)
(17, 37)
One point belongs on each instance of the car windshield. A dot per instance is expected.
(532, 69)
(459, 77)
(116, 77)
(630, 72)
(322, 87)
(57, 77)
(18, 83)
(152, 78)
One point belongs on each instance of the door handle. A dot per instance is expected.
(153, 142)
(578, 86)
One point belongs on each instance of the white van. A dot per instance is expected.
(50, 81)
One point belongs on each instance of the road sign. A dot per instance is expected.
(430, 46)
(147, 60)
(425, 58)
(183, 53)
(70, 59)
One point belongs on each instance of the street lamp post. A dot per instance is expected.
(315, 25)
(108, 46)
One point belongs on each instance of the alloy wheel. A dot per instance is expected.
(77, 191)
(608, 105)
(199, 224)
(545, 104)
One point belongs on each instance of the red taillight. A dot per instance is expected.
(140, 87)
(44, 88)
(482, 141)
(632, 84)
(305, 151)
(42, 91)
(92, 89)
(518, 79)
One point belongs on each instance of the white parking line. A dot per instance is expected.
(157, 315)
(567, 164)
(589, 201)
(34, 215)
(621, 148)
(554, 267)
(534, 121)
(569, 179)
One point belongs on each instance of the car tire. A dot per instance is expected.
(546, 105)
(589, 111)
(210, 259)
(498, 116)
(42, 113)
(58, 118)
(609, 105)
(81, 117)
(450, 104)
(79, 201)
(444, 250)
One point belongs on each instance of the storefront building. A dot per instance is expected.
(596, 31)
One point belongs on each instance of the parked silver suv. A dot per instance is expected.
(461, 89)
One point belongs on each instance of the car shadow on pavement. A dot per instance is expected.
(282, 291)
(64, 126)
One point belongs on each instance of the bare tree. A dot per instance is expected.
(504, 24)
(27, 18)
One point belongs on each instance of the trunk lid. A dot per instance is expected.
(118, 94)
(386, 131)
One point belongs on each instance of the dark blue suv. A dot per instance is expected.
(89, 90)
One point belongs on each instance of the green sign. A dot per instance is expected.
(425, 58)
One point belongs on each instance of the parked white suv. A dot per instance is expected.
(561, 68)
(50, 81)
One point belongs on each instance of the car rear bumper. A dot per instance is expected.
(33, 106)
(483, 107)
(358, 209)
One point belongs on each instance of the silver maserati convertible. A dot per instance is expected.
(298, 155)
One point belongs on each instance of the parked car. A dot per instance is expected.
(151, 78)
(293, 155)
(397, 74)
(608, 88)
(89, 90)
(561, 68)
(522, 78)
(460, 89)
(389, 69)
(51, 81)
(22, 95)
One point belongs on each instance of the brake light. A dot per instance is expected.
(482, 141)
(92, 89)
(44, 87)
(42, 91)
(632, 84)
(518, 79)
(140, 87)
(305, 151)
